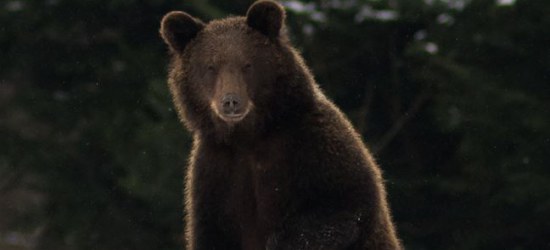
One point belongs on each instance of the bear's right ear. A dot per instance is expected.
(178, 28)
(267, 17)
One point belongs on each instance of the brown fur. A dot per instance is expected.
(293, 173)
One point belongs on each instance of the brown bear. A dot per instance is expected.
(275, 164)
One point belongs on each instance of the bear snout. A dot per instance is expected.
(232, 105)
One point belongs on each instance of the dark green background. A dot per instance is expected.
(453, 97)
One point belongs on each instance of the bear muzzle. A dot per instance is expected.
(232, 107)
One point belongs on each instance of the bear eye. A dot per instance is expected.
(247, 66)
(211, 68)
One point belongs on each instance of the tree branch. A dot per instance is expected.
(414, 108)
(365, 109)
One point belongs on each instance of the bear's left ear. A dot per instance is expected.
(267, 17)
(178, 29)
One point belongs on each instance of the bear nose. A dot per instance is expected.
(231, 104)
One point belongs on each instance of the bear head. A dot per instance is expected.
(237, 73)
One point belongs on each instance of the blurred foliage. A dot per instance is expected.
(452, 96)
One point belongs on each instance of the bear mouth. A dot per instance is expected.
(233, 117)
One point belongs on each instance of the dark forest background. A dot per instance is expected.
(453, 97)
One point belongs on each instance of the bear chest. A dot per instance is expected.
(255, 199)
